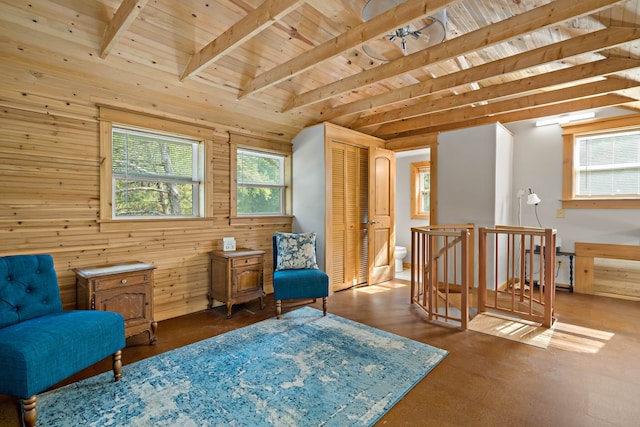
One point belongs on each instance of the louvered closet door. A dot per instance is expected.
(363, 195)
(348, 236)
(336, 222)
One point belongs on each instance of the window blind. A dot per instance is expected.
(608, 165)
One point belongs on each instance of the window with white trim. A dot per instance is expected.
(601, 163)
(260, 183)
(608, 165)
(154, 175)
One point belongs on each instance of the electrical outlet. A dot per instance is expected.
(560, 213)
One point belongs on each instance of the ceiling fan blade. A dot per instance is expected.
(412, 37)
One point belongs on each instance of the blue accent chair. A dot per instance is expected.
(298, 284)
(41, 345)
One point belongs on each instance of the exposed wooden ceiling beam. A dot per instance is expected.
(412, 142)
(500, 107)
(375, 27)
(488, 93)
(529, 113)
(591, 42)
(253, 23)
(533, 20)
(122, 19)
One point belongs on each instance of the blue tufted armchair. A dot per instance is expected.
(41, 345)
(295, 272)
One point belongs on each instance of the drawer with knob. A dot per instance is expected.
(249, 260)
(124, 280)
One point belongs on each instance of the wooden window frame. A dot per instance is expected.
(110, 118)
(281, 187)
(195, 181)
(252, 143)
(416, 212)
(570, 133)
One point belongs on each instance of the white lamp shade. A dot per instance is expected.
(533, 199)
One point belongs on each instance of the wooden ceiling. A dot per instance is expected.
(276, 66)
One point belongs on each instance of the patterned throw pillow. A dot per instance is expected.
(296, 251)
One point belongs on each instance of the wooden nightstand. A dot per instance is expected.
(123, 288)
(236, 276)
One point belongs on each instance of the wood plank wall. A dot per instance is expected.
(608, 270)
(50, 201)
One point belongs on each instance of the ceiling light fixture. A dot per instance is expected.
(406, 40)
(566, 119)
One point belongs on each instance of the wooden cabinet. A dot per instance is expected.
(123, 288)
(236, 277)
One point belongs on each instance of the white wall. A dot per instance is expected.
(475, 182)
(503, 210)
(537, 163)
(470, 183)
(308, 175)
(404, 223)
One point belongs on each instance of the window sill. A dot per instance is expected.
(260, 220)
(594, 203)
(107, 225)
(114, 225)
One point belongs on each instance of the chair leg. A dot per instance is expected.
(278, 308)
(29, 411)
(117, 365)
(324, 306)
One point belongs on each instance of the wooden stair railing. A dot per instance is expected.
(441, 272)
(516, 272)
(504, 282)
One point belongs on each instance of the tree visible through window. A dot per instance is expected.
(260, 183)
(154, 175)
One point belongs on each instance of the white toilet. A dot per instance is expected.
(400, 253)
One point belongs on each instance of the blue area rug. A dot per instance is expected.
(302, 370)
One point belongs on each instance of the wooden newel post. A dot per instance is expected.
(464, 266)
(549, 276)
(482, 269)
